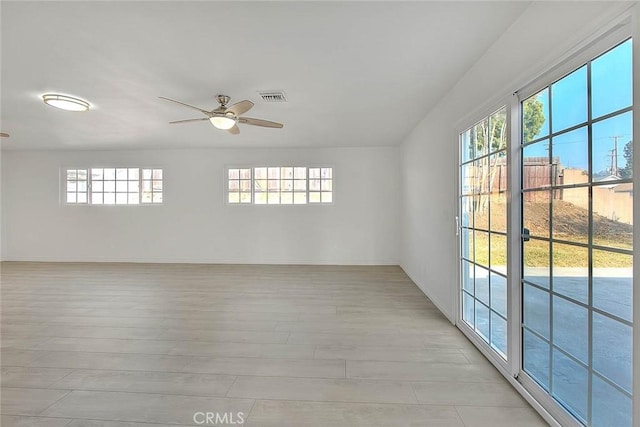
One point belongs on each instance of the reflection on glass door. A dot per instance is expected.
(577, 204)
(483, 213)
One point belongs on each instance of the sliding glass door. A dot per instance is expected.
(570, 294)
(577, 250)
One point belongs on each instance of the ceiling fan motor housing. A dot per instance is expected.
(223, 100)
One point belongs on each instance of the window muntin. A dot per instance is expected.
(280, 185)
(113, 186)
(577, 203)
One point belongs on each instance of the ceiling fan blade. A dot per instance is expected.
(186, 105)
(188, 120)
(234, 130)
(259, 122)
(240, 107)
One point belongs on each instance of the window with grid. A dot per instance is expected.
(281, 185)
(239, 185)
(77, 184)
(151, 186)
(113, 186)
(320, 185)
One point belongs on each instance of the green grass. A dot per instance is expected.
(537, 252)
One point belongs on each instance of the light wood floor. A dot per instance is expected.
(135, 345)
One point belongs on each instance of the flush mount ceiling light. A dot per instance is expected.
(65, 102)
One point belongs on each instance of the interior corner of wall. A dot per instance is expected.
(436, 301)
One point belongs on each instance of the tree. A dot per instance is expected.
(532, 119)
(494, 129)
(627, 170)
(491, 132)
(491, 129)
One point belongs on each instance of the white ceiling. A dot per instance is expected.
(355, 73)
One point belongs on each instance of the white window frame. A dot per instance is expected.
(275, 190)
(127, 182)
(64, 186)
(228, 191)
(324, 183)
(152, 180)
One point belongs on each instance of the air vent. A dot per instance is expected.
(273, 96)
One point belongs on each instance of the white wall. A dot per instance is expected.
(2, 227)
(195, 224)
(541, 35)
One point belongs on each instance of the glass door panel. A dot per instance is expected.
(483, 230)
(577, 249)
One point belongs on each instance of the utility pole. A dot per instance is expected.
(613, 169)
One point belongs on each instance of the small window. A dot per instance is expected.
(77, 185)
(281, 185)
(113, 186)
(239, 186)
(320, 185)
(151, 186)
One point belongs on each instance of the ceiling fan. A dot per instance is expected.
(227, 118)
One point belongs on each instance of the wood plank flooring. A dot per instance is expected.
(143, 345)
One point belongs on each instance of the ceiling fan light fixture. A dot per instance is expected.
(226, 118)
(65, 102)
(222, 122)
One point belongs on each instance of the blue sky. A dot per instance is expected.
(611, 88)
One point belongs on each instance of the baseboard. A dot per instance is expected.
(439, 305)
(195, 261)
